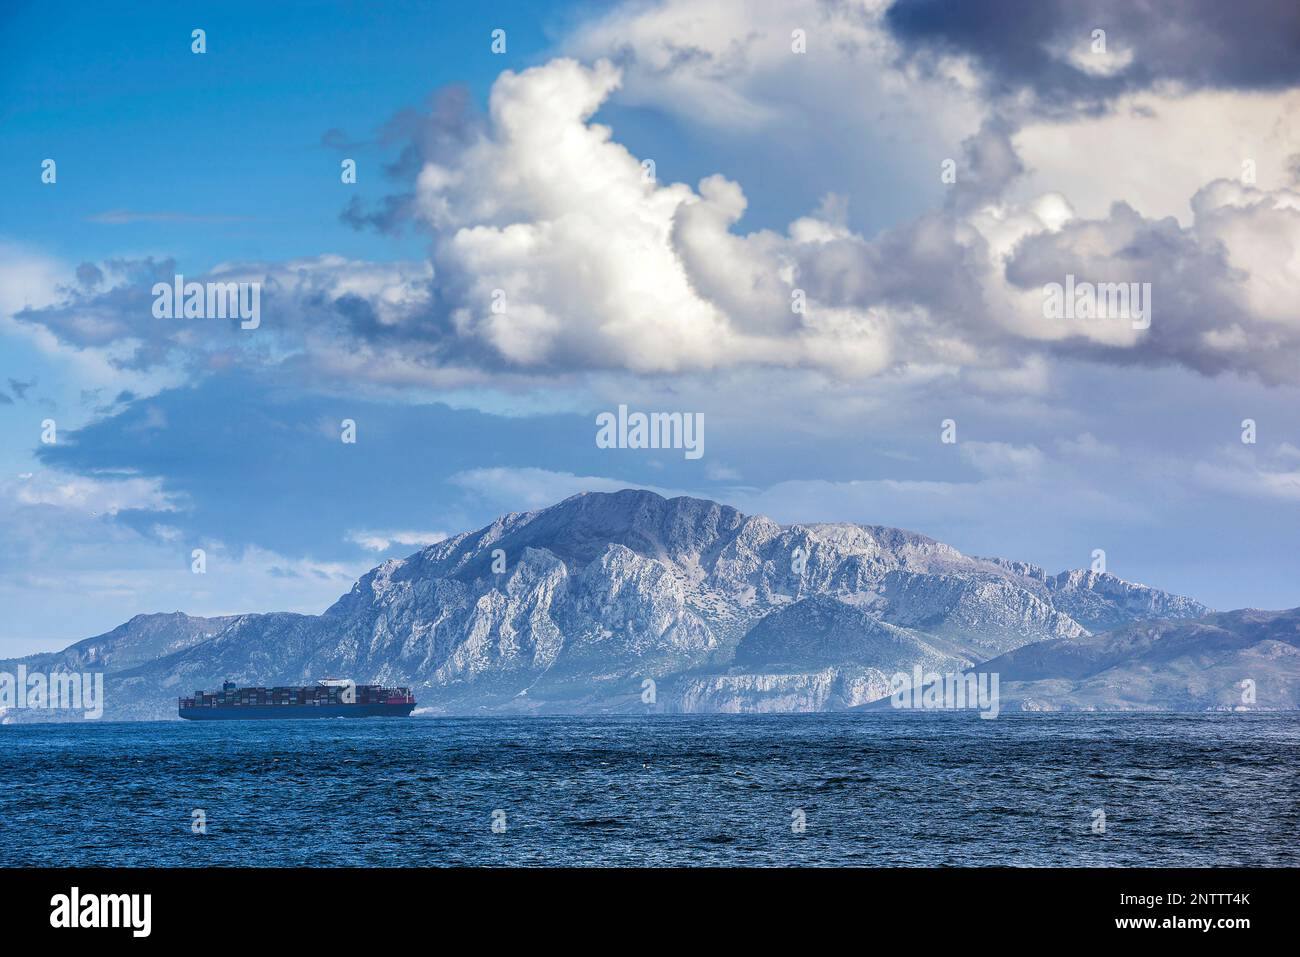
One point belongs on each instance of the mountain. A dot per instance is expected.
(574, 607)
(815, 654)
(1154, 665)
(144, 638)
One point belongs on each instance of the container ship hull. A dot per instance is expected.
(329, 698)
(297, 711)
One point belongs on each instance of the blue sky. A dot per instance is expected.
(225, 150)
(229, 139)
(774, 170)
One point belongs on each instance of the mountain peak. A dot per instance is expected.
(579, 602)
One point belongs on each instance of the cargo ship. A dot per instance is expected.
(328, 698)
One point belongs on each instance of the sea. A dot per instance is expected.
(858, 790)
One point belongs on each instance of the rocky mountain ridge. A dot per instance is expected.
(573, 607)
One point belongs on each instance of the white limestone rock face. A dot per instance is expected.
(572, 608)
(830, 689)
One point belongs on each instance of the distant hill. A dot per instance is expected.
(1161, 665)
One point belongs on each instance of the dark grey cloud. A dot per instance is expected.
(1200, 309)
(89, 275)
(389, 216)
(1018, 44)
(327, 304)
(934, 262)
(928, 262)
(928, 291)
(90, 316)
(989, 165)
(1218, 287)
(19, 388)
(437, 132)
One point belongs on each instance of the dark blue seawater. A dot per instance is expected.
(878, 789)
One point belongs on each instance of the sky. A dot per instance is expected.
(828, 228)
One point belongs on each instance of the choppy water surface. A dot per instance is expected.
(880, 789)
